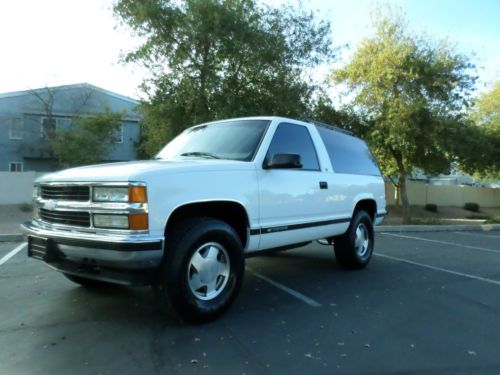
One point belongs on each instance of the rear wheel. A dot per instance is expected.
(202, 271)
(354, 248)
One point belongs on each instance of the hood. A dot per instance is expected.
(140, 170)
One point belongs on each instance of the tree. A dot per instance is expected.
(412, 93)
(213, 59)
(482, 156)
(89, 140)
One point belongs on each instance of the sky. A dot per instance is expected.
(57, 42)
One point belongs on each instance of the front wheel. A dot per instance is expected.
(202, 271)
(354, 248)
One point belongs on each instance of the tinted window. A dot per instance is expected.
(348, 154)
(294, 139)
(234, 140)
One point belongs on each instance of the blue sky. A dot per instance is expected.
(55, 42)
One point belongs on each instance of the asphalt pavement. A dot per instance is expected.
(429, 302)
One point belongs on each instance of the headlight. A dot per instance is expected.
(111, 221)
(110, 194)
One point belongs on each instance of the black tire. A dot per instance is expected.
(349, 253)
(195, 293)
(87, 283)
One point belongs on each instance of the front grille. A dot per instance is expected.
(74, 218)
(66, 192)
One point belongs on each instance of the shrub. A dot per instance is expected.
(470, 206)
(431, 207)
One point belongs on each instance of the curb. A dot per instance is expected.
(12, 237)
(437, 228)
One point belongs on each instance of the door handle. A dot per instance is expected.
(323, 185)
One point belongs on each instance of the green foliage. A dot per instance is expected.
(480, 156)
(470, 206)
(89, 140)
(431, 207)
(493, 220)
(412, 92)
(214, 59)
(26, 207)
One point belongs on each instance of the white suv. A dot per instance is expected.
(185, 220)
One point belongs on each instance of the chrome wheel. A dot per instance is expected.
(362, 240)
(208, 271)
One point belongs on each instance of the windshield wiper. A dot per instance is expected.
(201, 154)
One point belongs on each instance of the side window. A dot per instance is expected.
(294, 139)
(347, 153)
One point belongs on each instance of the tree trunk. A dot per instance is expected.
(396, 195)
(404, 200)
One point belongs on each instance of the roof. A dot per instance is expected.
(72, 86)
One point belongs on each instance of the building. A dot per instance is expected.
(28, 120)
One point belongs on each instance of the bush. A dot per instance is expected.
(431, 207)
(493, 220)
(470, 206)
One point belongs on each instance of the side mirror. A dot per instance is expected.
(283, 161)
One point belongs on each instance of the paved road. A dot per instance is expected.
(428, 302)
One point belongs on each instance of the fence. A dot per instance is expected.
(455, 195)
(16, 188)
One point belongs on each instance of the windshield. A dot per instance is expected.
(233, 140)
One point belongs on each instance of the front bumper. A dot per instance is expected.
(122, 259)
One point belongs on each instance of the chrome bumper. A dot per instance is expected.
(98, 256)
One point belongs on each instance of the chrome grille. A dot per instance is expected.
(74, 218)
(65, 192)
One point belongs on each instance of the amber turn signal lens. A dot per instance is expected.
(138, 221)
(137, 194)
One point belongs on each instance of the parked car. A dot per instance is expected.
(185, 221)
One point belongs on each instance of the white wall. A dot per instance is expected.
(455, 195)
(17, 187)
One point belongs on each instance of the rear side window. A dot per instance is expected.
(294, 139)
(348, 154)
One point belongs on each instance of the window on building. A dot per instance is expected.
(16, 129)
(50, 126)
(294, 139)
(119, 134)
(15, 166)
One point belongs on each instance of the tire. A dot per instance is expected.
(87, 283)
(202, 270)
(354, 249)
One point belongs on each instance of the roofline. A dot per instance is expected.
(70, 86)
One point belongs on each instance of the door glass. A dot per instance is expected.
(294, 139)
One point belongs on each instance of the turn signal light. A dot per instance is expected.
(138, 221)
(137, 194)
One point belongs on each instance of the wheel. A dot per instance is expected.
(354, 248)
(202, 271)
(87, 283)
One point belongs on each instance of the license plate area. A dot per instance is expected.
(42, 249)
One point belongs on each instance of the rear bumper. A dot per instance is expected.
(121, 259)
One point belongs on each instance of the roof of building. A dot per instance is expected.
(72, 86)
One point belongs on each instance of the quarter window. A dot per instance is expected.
(347, 153)
(294, 139)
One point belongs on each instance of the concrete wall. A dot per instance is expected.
(420, 194)
(16, 188)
